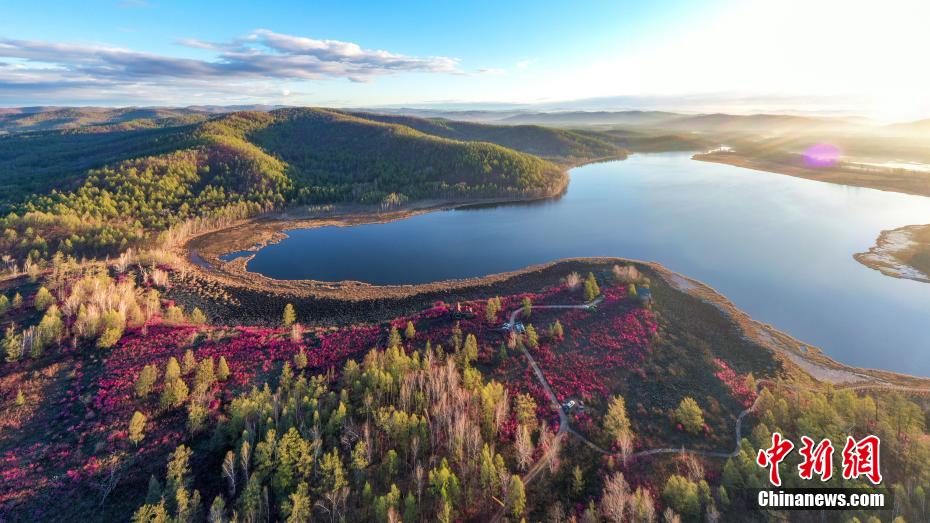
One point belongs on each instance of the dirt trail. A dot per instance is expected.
(565, 426)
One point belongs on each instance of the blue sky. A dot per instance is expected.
(710, 55)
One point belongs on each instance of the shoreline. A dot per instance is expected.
(352, 299)
(360, 302)
(251, 234)
(891, 245)
(892, 252)
(914, 184)
(386, 301)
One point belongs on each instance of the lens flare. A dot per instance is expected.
(821, 155)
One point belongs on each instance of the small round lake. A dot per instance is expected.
(779, 247)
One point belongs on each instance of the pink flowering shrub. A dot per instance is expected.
(735, 382)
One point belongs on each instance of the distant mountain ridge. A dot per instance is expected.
(557, 144)
(918, 127)
(39, 118)
(53, 118)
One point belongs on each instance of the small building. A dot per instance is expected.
(572, 404)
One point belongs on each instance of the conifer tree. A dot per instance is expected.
(12, 344)
(532, 338)
(394, 338)
(689, 415)
(516, 496)
(577, 480)
(631, 291)
(197, 317)
(491, 310)
(175, 393)
(51, 327)
(172, 369)
(112, 325)
(300, 359)
(137, 428)
(146, 381)
(205, 375)
(222, 369)
(470, 351)
(410, 332)
(591, 289)
(527, 308)
(196, 417)
(189, 363)
(289, 316)
(217, 510)
(301, 506)
(153, 496)
(616, 422)
(43, 299)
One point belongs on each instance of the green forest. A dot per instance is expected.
(98, 190)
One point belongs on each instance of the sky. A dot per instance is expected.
(813, 56)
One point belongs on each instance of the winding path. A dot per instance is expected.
(565, 427)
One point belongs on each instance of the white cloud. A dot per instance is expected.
(49, 67)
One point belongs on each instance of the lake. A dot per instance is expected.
(779, 247)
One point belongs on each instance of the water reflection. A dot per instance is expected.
(779, 247)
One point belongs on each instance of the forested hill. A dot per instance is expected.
(98, 190)
(354, 157)
(554, 144)
(31, 119)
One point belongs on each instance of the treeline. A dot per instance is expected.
(128, 186)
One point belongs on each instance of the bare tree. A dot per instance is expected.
(245, 458)
(573, 280)
(524, 447)
(229, 472)
(110, 477)
(555, 454)
(615, 498)
(334, 503)
(642, 508)
(418, 473)
(693, 468)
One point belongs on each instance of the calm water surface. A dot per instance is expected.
(779, 247)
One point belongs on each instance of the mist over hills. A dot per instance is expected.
(30, 119)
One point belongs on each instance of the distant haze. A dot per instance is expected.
(811, 57)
